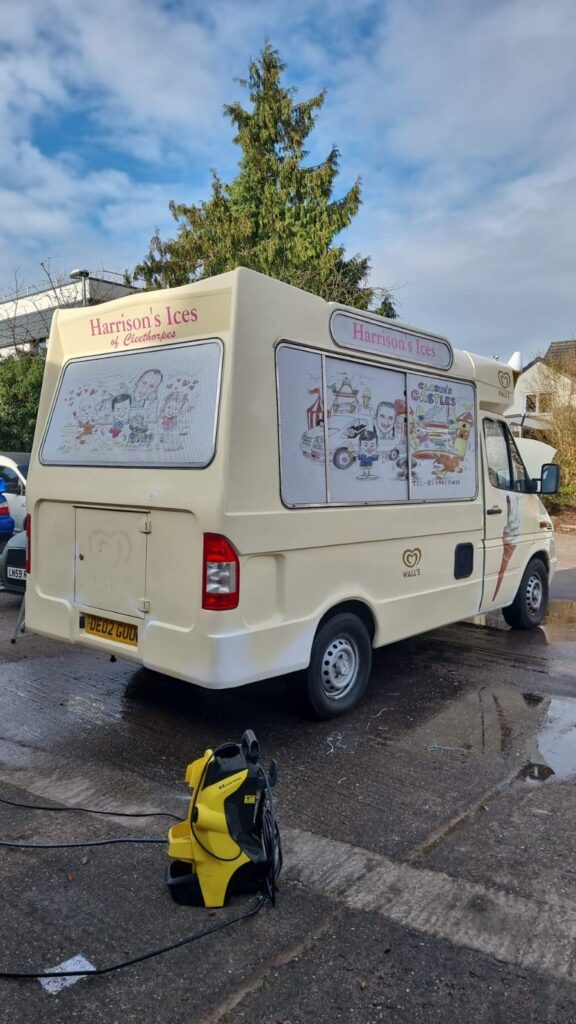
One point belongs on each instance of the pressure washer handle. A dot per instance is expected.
(250, 747)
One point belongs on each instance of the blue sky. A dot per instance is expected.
(459, 115)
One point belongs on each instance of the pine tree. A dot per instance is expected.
(278, 216)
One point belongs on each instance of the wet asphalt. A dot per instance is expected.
(458, 766)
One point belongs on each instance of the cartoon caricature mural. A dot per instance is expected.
(330, 408)
(140, 415)
(134, 408)
(85, 416)
(118, 429)
(145, 398)
(173, 414)
(367, 453)
(442, 437)
(385, 419)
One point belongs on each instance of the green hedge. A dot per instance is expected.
(566, 498)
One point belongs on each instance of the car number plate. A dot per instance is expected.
(13, 573)
(110, 629)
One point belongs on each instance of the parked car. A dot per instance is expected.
(13, 471)
(12, 565)
(6, 520)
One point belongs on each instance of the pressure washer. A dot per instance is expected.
(229, 842)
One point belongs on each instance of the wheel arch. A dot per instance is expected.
(541, 556)
(354, 607)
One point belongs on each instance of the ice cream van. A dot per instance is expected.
(179, 518)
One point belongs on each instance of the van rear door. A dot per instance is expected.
(110, 560)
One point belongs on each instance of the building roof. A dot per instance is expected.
(27, 327)
(27, 318)
(562, 352)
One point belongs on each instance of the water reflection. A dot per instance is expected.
(558, 626)
(495, 719)
(560, 621)
(535, 731)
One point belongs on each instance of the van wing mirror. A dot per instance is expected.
(550, 478)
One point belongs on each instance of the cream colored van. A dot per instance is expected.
(235, 480)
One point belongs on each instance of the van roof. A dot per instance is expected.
(271, 299)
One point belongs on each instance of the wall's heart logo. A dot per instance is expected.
(505, 379)
(411, 557)
(111, 549)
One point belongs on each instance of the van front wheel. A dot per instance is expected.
(529, 606)
(340, 666)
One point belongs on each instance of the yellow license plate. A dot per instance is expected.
(109, 629)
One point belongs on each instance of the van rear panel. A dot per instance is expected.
(132, 566)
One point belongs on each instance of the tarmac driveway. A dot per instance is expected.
(429, 836)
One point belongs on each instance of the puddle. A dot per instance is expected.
(534, 731)
(559, 625)
(555, 753)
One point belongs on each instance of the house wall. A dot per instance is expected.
(539, 379)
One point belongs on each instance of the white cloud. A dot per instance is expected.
(459, 115)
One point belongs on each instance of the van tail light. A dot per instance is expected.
(221, 574)
(28, 545)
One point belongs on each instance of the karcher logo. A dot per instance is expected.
(250, 798)
(411, 558)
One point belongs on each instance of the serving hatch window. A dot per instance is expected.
(152, 408)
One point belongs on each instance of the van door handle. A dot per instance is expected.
(494, 511)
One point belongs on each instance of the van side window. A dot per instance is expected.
(505, 467)
(519, 473)
(301, 408)
(355, 433)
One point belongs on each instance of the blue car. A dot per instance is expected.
(6, 521)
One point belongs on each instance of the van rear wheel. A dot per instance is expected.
(529, 606)
(340, 666)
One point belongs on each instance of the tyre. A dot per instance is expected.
(394, 454)
(340, 666)
(529, 606)
(343, 458)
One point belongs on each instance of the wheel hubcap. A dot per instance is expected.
(534, 594)
(339, 667)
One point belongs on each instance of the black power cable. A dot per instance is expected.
(72, 846)
(271, 841)
(92, 810)
(143, 956)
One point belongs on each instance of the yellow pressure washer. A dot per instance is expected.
(229, 842)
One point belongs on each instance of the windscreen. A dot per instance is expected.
(153, 408)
